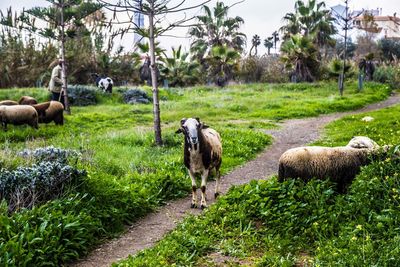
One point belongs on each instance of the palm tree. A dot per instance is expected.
(275, 36)
(291, 26)
(310, 19)
(300, 54)
(222, 61)
(269, 44)
(178, 70)
(215, 28)
(255, 41)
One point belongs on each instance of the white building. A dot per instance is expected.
(387, 27)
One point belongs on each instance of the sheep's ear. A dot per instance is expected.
(197, 119)
(179, 131)
(204, 126)
(183, 121)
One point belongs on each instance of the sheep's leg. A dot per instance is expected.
(217, 182)
(194, 195)
(204, 177)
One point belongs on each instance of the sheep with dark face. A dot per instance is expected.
(50, 111)
(340, 164)
(27, 100)
(8, 103)
(18, 115)
(202, 153)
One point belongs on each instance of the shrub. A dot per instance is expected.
(81, 95)
(275, 71)
(389, 74)
(50, 153)
(136, 96)
(267, 69)
(251, 69)
(29, 186)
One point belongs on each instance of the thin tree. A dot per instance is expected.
(155, 11)
(345, 21)
(61, 15)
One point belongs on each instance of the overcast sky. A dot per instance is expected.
(261, 17)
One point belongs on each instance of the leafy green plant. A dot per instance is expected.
(389, 74)
(300, 56)
(222, 61)
(178, 70)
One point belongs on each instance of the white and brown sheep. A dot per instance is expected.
(27, 100)
(8, 103)
(202, 153)
(340, 164)
(18, 115)
(50, 111)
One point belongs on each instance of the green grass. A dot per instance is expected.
(266, 223)
(128, 176)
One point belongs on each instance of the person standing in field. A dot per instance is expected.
(55, 84)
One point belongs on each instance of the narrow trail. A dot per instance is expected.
(151, 228)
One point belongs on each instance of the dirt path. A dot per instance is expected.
(148, 230)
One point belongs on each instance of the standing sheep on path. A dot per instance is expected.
(18, 115)
(340, 164)
(202, 153)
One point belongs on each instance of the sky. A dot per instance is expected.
(261, 17)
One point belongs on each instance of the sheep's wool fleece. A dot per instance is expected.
(322, 162)
(362, 142)
(214, 139)
(18, 113)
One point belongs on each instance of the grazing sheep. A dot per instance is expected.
(367, 119)
(27, 100)
(341, 164)
(50, 111)
(8, 103)
(104, 83)
(362, 142)
(18, 115)
(202, 153)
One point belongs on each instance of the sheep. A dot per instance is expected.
(104, 83)
(18, 115)
(362, 142)
(367, 119)
(50, 111)
(341, 164)
(27, 100)
(202, 153)
(8, 103)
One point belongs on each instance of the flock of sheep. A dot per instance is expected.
(203, 148)
(28, 111)
(203, 153)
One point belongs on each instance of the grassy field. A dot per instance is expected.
(127, 176)
(266, 223)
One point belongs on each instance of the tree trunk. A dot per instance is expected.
(153, 67)
(64, 70)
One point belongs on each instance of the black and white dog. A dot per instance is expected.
(104, 83)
